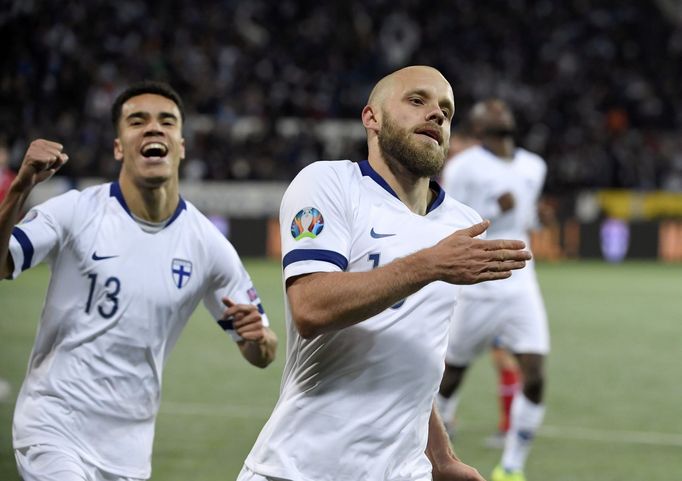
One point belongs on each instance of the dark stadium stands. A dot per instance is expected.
(595, 84)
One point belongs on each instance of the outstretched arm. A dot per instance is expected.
(43, 158)
(259, 343)
(446, 465)
(328, 301)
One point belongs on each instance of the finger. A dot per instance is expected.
(254, 331)
(227, 301)
(506, 266)
(59, 162)
(48, 144)
(510, 255)
(247, 319)
(492, 276)
(474, 230)
(491, 245)
(250, 330)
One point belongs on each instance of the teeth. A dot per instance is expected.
(154, 148)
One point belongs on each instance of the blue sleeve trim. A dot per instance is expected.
(26, 246)
(226, 324)
(260, 309)
(315, 255)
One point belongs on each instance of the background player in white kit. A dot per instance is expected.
(503, 183)
(130, 262)
(508, 374)
(371, 253)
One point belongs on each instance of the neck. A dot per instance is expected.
(413, 191)
(153, 204)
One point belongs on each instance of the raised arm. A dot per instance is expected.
(43, 158)
(328, 301)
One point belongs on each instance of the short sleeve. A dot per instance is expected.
(43, 229)
(314, 219)
(229, 279)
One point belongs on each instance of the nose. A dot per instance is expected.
(153, 128)
(436, 115)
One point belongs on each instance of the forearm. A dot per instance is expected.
(260, 353)
(329, 301)
(438, 448)
(10, 209)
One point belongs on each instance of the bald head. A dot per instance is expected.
(403, 77)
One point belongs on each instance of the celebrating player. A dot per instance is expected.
(130, 262)
(371, 254)
(503, 183)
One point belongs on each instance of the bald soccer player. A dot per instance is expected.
(373, 253)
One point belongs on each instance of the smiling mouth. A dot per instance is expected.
(154, 149)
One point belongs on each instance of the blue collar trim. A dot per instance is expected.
(366, 169)
(115, 191)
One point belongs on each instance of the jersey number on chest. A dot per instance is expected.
(108, 306)
(374, 258)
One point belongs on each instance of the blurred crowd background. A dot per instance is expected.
(271, 86)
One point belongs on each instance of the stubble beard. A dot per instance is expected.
(399, 150)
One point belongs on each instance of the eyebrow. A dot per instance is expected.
(143, 115)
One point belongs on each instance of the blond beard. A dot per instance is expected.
(396, 147)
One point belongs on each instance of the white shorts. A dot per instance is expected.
(517, 323)
(44, 462)
(247, 475)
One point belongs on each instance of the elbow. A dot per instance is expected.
(307, 324)
(307, 328)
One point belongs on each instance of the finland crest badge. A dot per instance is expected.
(182, 271)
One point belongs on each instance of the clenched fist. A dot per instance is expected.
(43, 158)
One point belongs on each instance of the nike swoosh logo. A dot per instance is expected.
(95, 257)
(379, 236)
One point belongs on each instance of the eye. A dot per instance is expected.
(417, 101)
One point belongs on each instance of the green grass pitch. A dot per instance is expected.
(614, 393)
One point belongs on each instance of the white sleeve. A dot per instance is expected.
(230, 279)
(41, 232)
(315, 221)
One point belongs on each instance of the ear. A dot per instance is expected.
(370, 118)
(182, 148)
(118, 150)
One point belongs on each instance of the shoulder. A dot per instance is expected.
(324, 180)
(202, 225)
(76, 201)
(330, 170)
(532, 159)
(465, 160)
(460, 212)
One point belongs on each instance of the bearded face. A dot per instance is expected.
(399, 145)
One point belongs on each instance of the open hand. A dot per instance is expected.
(461, 258)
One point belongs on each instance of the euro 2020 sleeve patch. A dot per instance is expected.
(307, 223)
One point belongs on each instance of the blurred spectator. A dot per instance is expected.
(7, 175)
(594, 83)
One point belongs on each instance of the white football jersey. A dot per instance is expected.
(355, 403)
(477, 178)
(117, 301)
